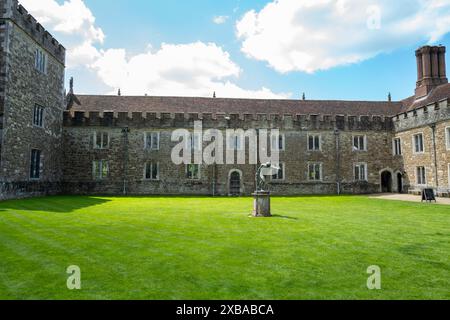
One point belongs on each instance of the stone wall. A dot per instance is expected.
(22, 87)
(337, 162)
(435, 158)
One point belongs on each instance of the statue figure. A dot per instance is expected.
(264, 171)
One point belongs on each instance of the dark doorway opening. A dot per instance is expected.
(235, 184)
(400, 183)
(386, 182)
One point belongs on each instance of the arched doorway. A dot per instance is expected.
(400, 182)
(386, 182)
(235, 183)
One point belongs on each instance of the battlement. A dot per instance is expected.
(423, 116)
(12, 10)
(223, 120)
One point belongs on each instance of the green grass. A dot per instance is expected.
(205, 248)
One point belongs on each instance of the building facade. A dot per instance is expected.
(84, 144)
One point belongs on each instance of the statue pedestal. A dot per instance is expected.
(262, 204)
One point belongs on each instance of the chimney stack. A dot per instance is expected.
(430, 69)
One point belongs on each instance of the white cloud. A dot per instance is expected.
(311, 35)
(73, 23)
(194, 69)
(220, 19)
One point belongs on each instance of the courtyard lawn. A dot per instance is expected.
(209, 248)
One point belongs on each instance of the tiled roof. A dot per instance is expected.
(233, 106)
(437, 94)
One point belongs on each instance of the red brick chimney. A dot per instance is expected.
(430, 69)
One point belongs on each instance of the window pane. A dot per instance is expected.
(147, 170)
(317, 143)
(155, 171)
(105, 138)
(105, 169)
(98, 140)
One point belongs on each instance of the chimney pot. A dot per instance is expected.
(430, 69)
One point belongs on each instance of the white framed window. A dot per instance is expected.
(100, 169)
(40, 61)
(447, 137)
(151, 170)
(193, 171)
(278, 142)
(314, 142)
(360, 172)
(421, 176)
(235, 141)
(397, 147)
(38, 116)
(281, 174)
(152, 140)
(194, 142)
(315, 171)
(35, 164)
(418, 145)
(101, 140)
(360, 143)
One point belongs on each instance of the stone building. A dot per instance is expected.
(86, 144)
(31, 105)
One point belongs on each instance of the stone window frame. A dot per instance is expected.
(447, 138)
(237, 144)
(448, 174)
(191, 141)
(396, 152)
(38, 117)
(281, 136)
(425, 171)
(33, 165)
(40, 60)
(199, 172)
(102, 176)
(151, 162)
(365, 149)
(366, 172)
(320, 164)
(414, 143)
(101, 146)
(151, 147)
(320, 142)
(283, 170)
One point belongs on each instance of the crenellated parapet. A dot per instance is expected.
(13, 11)
(222, 121)
(424, 116)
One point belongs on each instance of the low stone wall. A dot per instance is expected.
(116, 188)
(27, 189)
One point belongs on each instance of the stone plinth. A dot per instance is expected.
(262, 204)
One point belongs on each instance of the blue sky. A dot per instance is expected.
(324, 48)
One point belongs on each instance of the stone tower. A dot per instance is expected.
(32, 65)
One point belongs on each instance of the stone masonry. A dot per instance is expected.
(69, 157)
(22, 86)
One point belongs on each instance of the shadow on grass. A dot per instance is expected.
(54, 204)
(283, 217)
